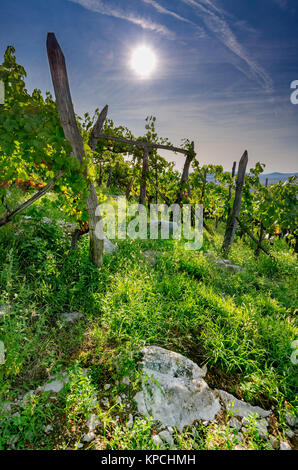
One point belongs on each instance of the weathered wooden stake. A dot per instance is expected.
(204, 186)
(245, 230)
(144, 176)
(231, 185)
(261, 230)
(232, 220)
(72, 134)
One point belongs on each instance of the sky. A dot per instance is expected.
(223, 74)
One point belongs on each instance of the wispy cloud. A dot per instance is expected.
(103, 8)
(165, 11)
(215, 20)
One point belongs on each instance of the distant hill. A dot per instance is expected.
(275, 177)
(272, 177)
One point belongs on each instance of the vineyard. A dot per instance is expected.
(69, 308)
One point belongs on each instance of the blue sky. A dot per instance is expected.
(223, 76)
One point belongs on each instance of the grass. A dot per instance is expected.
(240, 324)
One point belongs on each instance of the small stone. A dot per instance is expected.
(93, 423)
(3, 310)
(70, 317)
(166, 437)
(291, 420)
(5, 407)
(2, 353)
(157, 441)
(151, 256)
(289, 433)
(109, 247)
(89, 437)
(26, 398)
(125, 381)
(205, 423)
(79, 445)
(285, 446)
(48, 429)
(239, 437)
(274, 442)
(55, 385)
(240, 407)
(107, 386)
(262, 429)
(94, 401)
(239, 447)
(130, 422)
(12, 441)
(235, 424)
(171, 430)
(233, 268)
(220, 262)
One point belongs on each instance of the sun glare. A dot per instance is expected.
(143, 61)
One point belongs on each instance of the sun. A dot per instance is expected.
(143, 61)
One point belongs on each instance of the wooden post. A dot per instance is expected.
(189, 159)
(72, 134)
(110, 178)
(231, 185)
(261, 230)
(204, 186)
(156, 182)
(232, 220)
(185, 174)
(21, 207)
(129, 187)
(95, 133)
(144, 176)
(245, 230)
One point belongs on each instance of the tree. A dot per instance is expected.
(33, 150)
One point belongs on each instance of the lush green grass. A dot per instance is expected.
(242, 325)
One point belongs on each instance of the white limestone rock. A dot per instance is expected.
(291, 420)
(129, 423)
(55, 385)
(240, 408)
(173, 390)
(93, 423)
(3, 310)
(235, 424)
(285, 446)
(89, 437)
(2, 353)
(109, 247)
(274, 442)
(151, 256)
(70, 317)
(167, 438)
